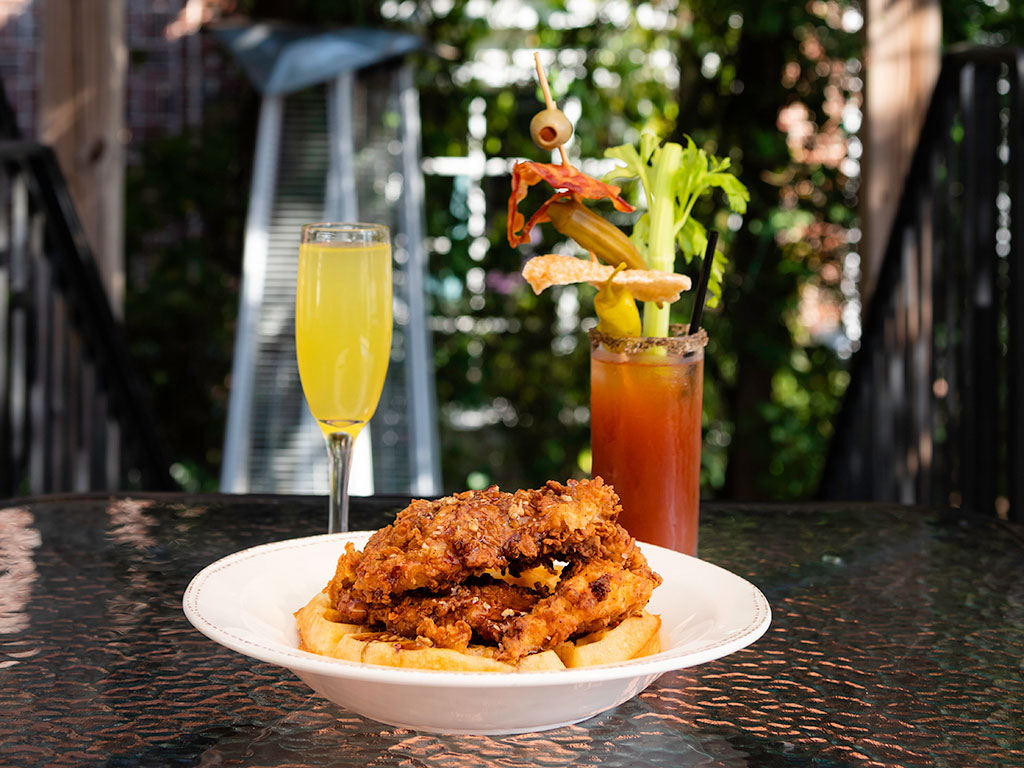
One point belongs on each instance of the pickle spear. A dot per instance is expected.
(594, 233)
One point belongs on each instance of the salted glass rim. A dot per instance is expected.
(680, 342)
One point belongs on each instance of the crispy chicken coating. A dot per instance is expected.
(591, 595)
(422, 576)
(481, 611)
(433, 545)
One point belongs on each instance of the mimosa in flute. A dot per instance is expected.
(343, 337)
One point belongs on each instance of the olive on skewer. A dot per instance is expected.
(550, 128)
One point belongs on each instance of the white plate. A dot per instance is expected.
(245, 602)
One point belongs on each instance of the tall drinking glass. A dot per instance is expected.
(343, 338)
(645, 431)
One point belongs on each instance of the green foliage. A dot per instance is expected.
(185, 207)
(983, 22)
(687, 174)
(513, 397)
(752, 389)
(734, 111)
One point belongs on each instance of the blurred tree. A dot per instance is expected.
(723, 74)
(983, 22)
(186, 200)
(770, 84)
(774, 86)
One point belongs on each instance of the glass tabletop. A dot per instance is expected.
(897, 639)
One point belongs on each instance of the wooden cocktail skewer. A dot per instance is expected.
(550, 104)
(548, 101)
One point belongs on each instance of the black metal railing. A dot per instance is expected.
(73, 414)
(933, 413)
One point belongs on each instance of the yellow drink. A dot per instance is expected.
(343, 331)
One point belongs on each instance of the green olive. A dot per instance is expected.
(550, 128)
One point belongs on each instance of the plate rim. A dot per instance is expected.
(297, 660)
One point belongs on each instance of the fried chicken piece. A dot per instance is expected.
(421, 575)
(483, 609)
(433, 545)
(592, 595)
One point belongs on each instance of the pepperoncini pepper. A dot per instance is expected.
(594, 233)
(616, 309)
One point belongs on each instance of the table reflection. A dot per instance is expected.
(896, 641)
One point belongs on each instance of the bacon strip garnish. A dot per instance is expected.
(565, 179)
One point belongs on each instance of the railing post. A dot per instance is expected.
(942, 358)
(924, 344)
(978, 363)
(1015, 308)
(948, 467)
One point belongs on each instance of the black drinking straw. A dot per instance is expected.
(702, 281)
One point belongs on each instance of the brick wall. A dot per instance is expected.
(172, 68)
(19, 42)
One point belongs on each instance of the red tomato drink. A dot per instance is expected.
(645, 428)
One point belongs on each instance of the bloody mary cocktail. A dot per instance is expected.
(646, 391)
(645, 428)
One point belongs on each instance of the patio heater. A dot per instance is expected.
(338, 140)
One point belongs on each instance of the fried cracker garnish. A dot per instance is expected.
(644, 284)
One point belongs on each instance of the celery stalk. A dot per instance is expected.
(673, 177)
(661, 240)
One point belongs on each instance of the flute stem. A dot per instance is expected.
(339, 449)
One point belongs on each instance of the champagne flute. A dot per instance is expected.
(343, 338)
